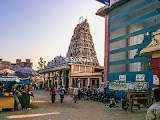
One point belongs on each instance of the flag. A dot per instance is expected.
(106, 2)
(81, 18)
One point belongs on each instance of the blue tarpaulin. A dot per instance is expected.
(15, 80)
(24, 81)
(9, 79)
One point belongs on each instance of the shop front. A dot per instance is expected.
(12, 90)
(58, 75)
(83, 80)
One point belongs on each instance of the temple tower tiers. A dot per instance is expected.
(81, 49)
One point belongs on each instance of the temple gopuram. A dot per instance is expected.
(79, 67)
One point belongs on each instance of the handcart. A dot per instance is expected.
(137, 100)
(25, 98)
(25, 101)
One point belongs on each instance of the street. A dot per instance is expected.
(43, 109)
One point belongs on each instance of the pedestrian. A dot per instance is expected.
(112, 102)
(53, 92)
(79, 93)
(153, 112)
(40, 86)
(75, 94)
(61, 93)
(36, 86)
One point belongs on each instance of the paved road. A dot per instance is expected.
(82, 110)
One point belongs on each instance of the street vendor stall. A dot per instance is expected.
(24, 98)
(137, 99)
(14, 93)
(6, 95)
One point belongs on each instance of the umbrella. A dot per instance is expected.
(26, 71)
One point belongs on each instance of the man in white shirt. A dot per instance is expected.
(75, 94)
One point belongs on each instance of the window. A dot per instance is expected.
(25, 64)
(84, 82)
(97, 83)
(93, 82)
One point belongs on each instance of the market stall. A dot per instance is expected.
(6, 93)
(24, 97)
(137, 100)
(15, 90)
(14, 93)
(26, 72)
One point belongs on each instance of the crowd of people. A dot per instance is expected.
(38, 86)
(153, 112)
(77, 93)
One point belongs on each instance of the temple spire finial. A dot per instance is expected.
(81, 18)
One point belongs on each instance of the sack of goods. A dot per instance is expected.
(6, 94)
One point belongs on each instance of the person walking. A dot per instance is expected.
(61, 93)
(36, 86)
(79, 93)
(53, 92)
(153, 112)
(75, 94)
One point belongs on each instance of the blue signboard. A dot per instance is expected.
(106, 2)
(121, 83)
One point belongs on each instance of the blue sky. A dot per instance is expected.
(43, 28)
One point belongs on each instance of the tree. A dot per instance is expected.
(41, 64)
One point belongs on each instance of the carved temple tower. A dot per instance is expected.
(81, 49)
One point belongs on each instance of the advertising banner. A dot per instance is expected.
(155, 80)
(140, 77)
(122, 77)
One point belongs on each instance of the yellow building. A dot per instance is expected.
(70, 75)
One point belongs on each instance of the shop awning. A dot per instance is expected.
(8, 78)
(24, 81)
